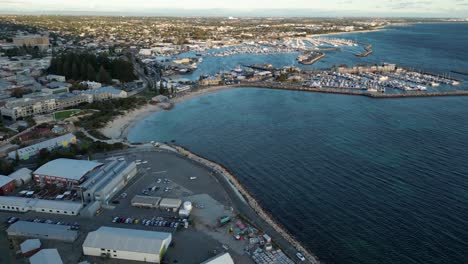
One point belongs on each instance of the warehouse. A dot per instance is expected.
(56, 207)
(42, 231)
(145, 201)
(129, 244)
(103, 183)
(7, 185)
(224, 258)
(21, 176)
(16, 204)
(22, 204)
(50, 144)
(170, 204)
(30, 247)
(46, 256)
(65, 172)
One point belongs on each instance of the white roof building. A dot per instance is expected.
(69, 169)
(50, 144)
(220, 259)
(4, 180)
(22, 204)
(21, 176)
(42, 231)
(129, 244)
(30, 245)
(46, 256)
(170, 203)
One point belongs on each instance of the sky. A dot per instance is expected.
(420, 8)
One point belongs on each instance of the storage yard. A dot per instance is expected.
(169, 194)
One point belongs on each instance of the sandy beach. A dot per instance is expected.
(350, 32)
(118, 128)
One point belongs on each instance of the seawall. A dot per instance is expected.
(251, 201)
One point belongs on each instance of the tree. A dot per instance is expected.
(161, 88)
(75, 71)
(66, 68)
(103, 76)
(19, 92)
(83, 71)
(91, 73)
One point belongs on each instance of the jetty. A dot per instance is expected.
(311, 58)
(368, 49)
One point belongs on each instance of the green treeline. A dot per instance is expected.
(90, 67)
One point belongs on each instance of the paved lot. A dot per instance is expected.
(192, 245)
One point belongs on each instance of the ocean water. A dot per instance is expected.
(357, 180)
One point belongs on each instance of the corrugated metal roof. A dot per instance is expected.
(46, 256)
(31, 229)
(4, 180)
(148, 200)
(29, 245)
(39, 203)
(67, 168)
(14, 201)
(131, 240)
(169, 202)
(21, 174)
(220, 259)
(57, 205)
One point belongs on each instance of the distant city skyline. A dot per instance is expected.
(417, 8)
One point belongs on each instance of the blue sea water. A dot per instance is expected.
(357, 180)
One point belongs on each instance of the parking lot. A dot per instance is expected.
(163, 175)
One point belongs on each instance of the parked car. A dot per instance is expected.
(300, 256)
(12, 220)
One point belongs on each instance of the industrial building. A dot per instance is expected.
(42, 231)
(50, 144)
(145, 201)
(46, 256)
(103, 183)
(64, 172)
(7, 185)
(30, 246)
(129, 244)
(21, 176)
(224, 258)
(22, 204)
(170, 204)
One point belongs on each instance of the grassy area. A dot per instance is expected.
(66, 113)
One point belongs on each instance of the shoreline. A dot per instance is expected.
(117, 128)
(249, 199)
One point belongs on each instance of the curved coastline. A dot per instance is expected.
(118, 128)
(249, 199)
